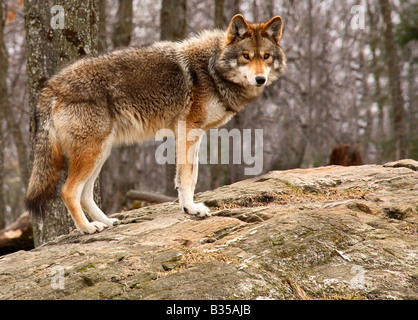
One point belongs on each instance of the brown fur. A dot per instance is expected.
(126, 96)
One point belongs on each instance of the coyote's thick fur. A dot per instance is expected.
(128, 95)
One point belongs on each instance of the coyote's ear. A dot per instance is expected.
(273, 29)
(238, 27)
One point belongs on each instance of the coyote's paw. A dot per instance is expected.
(113, 222)
(198, 209)
(93, 227)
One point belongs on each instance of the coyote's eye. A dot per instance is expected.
(246, 56)
(266, 56)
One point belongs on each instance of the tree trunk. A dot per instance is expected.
(413, 108)
(309, 90)
(117, 176)
(2, 201)
(394, 72)
(54, 40)
(219, 14)
(173, 21)
(17, 236)
(376, 70)
(102, 41)
(123, 29)
(8, 114)
(216, 169)
(4, 100)
(231, 8)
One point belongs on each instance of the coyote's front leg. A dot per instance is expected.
(187, 147)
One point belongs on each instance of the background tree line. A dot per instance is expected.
(356, 86)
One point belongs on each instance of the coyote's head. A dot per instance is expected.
(252, 55)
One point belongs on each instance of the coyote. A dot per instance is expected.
(127, 95)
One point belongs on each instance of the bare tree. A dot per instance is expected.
(3, 102)
(231, 8)
(394, 73)
(219, 14)
(123, 29)
(52, 43)
(8, 113)
(114, 189)
(376, 68)
(2, 200)
(173, 21)
(216, 168)
(102, 41)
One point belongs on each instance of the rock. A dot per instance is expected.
(406, 163)
(325, 233)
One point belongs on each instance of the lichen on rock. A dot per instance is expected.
(323, 233)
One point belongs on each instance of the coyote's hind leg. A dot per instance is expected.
(87, 199)
(82, 165)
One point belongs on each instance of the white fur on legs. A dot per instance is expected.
(88, 204)
(195, 170)
(187, 204)
(186, 175)
(87, 199)
(81, 222)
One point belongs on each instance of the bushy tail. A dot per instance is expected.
(47, 163)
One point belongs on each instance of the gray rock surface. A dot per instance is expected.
(325, 233)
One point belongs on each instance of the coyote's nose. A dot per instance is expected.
(260, 80)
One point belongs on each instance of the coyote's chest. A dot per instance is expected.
(218, 115)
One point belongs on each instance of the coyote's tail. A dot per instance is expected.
(48, 160)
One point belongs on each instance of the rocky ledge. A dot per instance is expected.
(325, 233)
